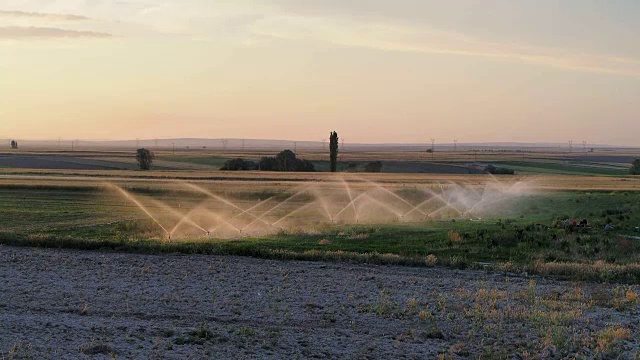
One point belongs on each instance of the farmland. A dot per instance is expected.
(448, 264)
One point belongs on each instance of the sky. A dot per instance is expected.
(376, 71)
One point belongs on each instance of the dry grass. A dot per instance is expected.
(430, 260)
(254, 180)
(598, 270)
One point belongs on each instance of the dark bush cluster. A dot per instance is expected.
(239, 164)
(285, 161)
(374, 166)
(498, 170)
(635, 167)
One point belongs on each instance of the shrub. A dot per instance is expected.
(499, 170)
(374, 166)
(285, 161)
(268, 164)
(239, 164)
(635, 167)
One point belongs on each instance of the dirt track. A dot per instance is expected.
(70, 304)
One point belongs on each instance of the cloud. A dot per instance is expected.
(32, 32)
(41, 16)
(421, 39)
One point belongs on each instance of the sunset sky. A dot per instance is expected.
(374, 70)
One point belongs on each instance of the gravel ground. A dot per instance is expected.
(63, 304)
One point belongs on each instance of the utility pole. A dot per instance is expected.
(224, 144)
(570, 145)
(584, 146)
(72, 146)
(455, 145)
(137, 143)
(173, 148)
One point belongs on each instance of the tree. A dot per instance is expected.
(268, 163)
(333, 151)
(374, 166)
(14, 144)
(145, 158)
(287, 160)
(305, 165)
(239, 164)
(499, 170)
(635, 167)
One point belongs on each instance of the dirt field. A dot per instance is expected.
(531, 161)
(73, 304)
(58, 162)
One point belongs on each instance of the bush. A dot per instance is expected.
(635, 167)
(374, 166)
(305, 165)
(285, 161)
(239, 164)
(268, 164)
(499, 170)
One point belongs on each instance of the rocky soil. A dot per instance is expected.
(61, 304)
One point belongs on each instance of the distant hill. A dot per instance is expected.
(257, 144)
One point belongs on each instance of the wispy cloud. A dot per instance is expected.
(420, 39)
(42, 16)
(33, 32)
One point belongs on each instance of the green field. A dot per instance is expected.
(525, 234)
(569, 168)
(199, 160)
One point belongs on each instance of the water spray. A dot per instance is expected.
(368, 203)
(142, 207)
